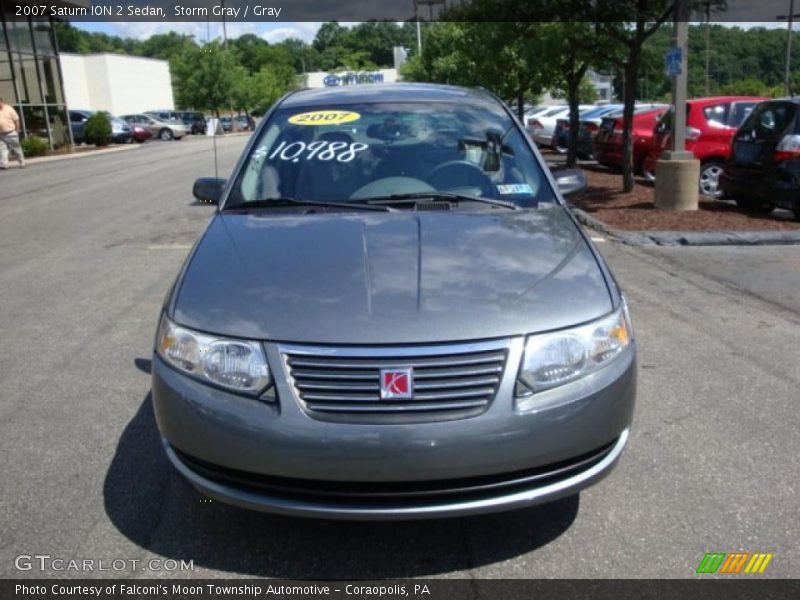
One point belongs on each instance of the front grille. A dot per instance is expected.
(449, 382)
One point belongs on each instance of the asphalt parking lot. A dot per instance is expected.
(88, 249)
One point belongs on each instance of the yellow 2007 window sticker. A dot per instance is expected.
(324, 117)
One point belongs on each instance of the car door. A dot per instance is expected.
(150, 123)
(712, 131)
(754, 143)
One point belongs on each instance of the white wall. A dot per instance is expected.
(116, 83)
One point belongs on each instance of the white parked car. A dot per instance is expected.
(543, 125)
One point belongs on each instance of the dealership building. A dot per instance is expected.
(116, 83)
(30, 75)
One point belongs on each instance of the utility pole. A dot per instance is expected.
(787, 77)
(678, 172)
(708, 45)
(681, 41)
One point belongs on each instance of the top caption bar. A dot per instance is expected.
(752, 11)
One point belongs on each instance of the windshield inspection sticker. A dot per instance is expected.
(515, 188)
(324, 117)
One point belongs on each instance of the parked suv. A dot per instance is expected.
(710, 125)
(608, 141)
(195, 121)
(764, 167)
(392, 314)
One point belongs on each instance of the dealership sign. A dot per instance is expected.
(352, 78)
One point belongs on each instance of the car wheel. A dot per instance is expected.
(755, 205)
(165, 134)
(709, 179)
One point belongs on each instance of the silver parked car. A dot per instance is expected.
(163, 129)
(392, 314)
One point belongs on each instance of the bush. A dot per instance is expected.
(97, 130)
(34, 146)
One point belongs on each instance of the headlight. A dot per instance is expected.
(552, 359)
(237, 365)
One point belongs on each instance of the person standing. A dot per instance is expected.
(9, 135)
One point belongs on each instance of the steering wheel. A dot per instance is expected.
(460, 174)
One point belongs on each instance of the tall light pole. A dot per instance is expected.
(708, 44)
(787, 78)
(430, 4)
(678, 171)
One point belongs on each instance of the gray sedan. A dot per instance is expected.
(393, 315)
(165, 130)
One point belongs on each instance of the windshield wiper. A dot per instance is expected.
(434, 195)
(278, 202)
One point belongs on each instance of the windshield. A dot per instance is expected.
(358, 151)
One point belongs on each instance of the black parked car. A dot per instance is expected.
(195, 121)
(246, 123)
(763, 171)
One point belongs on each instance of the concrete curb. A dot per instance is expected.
(46, 159)
(117, 148)
(690, 238)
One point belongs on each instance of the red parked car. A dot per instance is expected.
(608, 142)
(140, 134)
(710, 125)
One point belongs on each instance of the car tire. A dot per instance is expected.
(165, 134)
(708, 184)
(755, 205)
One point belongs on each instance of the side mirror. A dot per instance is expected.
(208, 189)
(570, 181)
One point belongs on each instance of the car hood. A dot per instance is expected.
(400, 277)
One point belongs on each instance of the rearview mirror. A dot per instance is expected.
(208, 189)
(570, 181)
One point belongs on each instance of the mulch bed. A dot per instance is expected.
(635, 211)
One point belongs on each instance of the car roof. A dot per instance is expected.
(719, 99)
(391, 92)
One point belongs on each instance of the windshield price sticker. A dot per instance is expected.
(319, 150)
(515, 188)
(324, 117)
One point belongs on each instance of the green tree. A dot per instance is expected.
(97, 130)
(330, 35)
(205, 77)
(304, 57)
(165, 46)
(587, 93)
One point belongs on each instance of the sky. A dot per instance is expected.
(272, 32)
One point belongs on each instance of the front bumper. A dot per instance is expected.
(278, 458)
